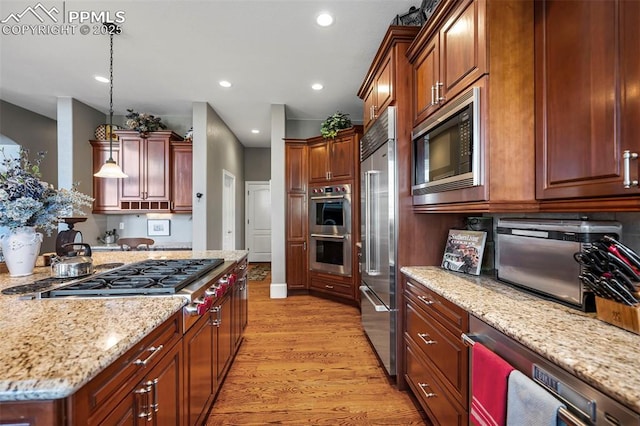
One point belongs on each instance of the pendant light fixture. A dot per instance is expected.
(110, 168)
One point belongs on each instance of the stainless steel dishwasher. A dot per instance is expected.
(585, 404)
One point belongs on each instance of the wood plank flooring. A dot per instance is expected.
(306, 360)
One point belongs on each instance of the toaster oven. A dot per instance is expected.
(537, 255)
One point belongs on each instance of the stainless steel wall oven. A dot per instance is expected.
(330, 229)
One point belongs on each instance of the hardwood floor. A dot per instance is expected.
(305, 360)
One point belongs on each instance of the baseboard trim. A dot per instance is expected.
(278, 291)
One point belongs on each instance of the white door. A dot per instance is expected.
(228, 211)
(258, 221)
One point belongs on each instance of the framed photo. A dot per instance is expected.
(158, 227)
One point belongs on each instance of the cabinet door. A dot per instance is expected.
(463, 56)
(106, 192)
(182, 178)
(297, 262)
(224, 323)
(341, 158)
(156, 168)
(425, 75)
(586, 68)
(132, 150)
(318, 162)
(168, 395)
(296, 166)
(200, 378)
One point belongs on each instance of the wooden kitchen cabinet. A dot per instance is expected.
(436, 362)
(587, 72)
(106, 192)
(335, 159)
(146, 162)
(297, 172)
(181, 177)
(378, 90)
(488, 45)
(121, 391)
(450, 60)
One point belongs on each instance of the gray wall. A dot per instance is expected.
(257, 164)
(215, 148)
(34, 132)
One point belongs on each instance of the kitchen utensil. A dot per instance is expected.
(72, 264)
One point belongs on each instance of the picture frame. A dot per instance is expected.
(158, 227)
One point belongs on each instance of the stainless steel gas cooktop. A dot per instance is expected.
(152, 277)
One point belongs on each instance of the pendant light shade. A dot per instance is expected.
(110, 168)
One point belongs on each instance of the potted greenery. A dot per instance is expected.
(334, 123)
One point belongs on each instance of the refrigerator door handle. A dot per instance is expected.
(378, 308)
(372, 248)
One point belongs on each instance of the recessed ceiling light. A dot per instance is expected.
(317, 86)
(324, 19)
(255, 131)
(225, 83)
(101, 79)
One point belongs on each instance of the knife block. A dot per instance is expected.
(618, 314)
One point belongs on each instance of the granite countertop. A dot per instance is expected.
(51, 347)
(602, 355)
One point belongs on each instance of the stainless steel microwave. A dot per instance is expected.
(446, 147)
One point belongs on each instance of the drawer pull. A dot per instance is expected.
(424, 337)
(426, 300)
(426, 394)
(154, 351)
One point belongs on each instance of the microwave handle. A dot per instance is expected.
(372, 248)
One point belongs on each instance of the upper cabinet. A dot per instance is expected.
(487, 45)
(159, 169)
(334, 159)
(378, 90)
(587, 103)
(181, 176)
(106, 192)
(450, 59)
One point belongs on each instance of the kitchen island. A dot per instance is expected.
(51, 348)
(600, 354)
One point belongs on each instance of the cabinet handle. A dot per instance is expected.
(154, 351)
(142, 399)
(424, 337)
(439, 97)
(426, 300)
(627, 156)
(218, 311)
(426, 394)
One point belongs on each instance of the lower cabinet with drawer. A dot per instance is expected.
(436, 361)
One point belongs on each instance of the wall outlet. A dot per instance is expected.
(121, 225)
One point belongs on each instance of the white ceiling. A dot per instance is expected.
(173, 53)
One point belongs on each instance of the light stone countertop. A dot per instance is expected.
(50, 348)
(605, 356)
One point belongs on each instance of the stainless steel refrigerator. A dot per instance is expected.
(378, 234)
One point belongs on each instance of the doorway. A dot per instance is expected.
(228, 210)
(258, 221)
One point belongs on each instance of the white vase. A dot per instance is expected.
(20, 248)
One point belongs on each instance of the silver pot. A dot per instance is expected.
(72, 265)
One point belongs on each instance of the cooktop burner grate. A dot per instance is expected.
(155, 277)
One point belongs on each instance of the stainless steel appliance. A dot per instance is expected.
(537, 255)
(330, 209)
(585, 404)
(330, 253)
(378, 231)
(446, 147)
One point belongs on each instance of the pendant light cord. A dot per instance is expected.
(111, 96)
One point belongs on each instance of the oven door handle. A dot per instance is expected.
(328, 197)
(337, 237)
